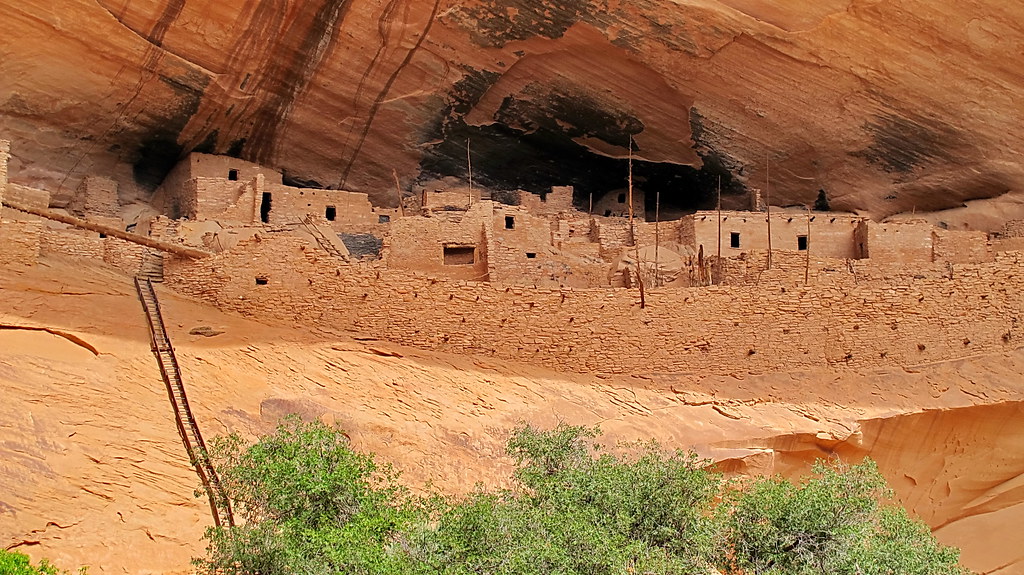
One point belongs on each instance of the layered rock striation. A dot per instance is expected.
(887, 106)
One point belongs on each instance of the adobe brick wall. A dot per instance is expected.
(960, 246)
(353, 211)
(847, 319)
(417, 243)
(5, 156)
(557, 201)
(831, 235)
(125, 256)
(900, 242)
(95, 196)
(19, 239)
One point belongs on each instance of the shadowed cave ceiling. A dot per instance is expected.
(895, 106)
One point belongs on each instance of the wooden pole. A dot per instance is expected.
(398, 190)
(632, 228)
(657, 236)
(718, 260)
(591, 211)
(768, 206)
(807, 262)
(111, 231)
(469, 164)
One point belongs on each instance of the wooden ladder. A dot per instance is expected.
(320, 238)
(152, 267)
(187, 427)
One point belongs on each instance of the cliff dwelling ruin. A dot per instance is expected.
(768, 231)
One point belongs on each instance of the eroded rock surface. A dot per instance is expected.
(888, 106)
(89, 453)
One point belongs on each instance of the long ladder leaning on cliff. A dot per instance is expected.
(318, 235)
(187, 427)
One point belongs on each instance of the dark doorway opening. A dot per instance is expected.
(510, 222)
(233, 175)
(331, 213)
(734, 240)
(801, 243)
(265, 208)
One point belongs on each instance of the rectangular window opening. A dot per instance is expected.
(622, 198)
(383, 219)
(801, 243)
(233, 175)
(510, 222)
(262, 281)
(459, 255)
(530, 255)
(265, 208)
(734, 239)
(331, 213)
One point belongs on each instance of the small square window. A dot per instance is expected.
(331, 213)
(510, 222)
(530, 255)
(801, 243)
(233, 175)
(734, 240)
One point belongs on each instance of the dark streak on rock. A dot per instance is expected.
(171, 12)
(499, 22)
(287, 75)
(903, 142)
(383, 94)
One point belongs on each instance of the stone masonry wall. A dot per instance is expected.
(5, 155)
(777, 325)
(831, 235)
(19, 239)
(125, 256)
(95, 196)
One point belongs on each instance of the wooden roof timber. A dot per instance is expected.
(111, 231)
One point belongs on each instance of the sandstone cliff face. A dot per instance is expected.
(888, 106)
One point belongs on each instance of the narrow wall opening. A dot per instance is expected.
(233, 175)
(265, 208)
(734, 239)
(331, 213)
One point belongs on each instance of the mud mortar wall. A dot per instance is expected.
(772, 326)
(122, 255)
(19, 239)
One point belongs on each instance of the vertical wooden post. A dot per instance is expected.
(718, 260)
(657, 236)
(632, 228)
(398, 190)
(768, 205)
(807, 261)
(469, 164)
(591, 210)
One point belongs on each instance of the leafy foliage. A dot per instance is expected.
(14, 563)
(312, 505)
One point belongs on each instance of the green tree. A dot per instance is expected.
(306, 503)
(832, 523)
(309, 504)
(14, 563)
